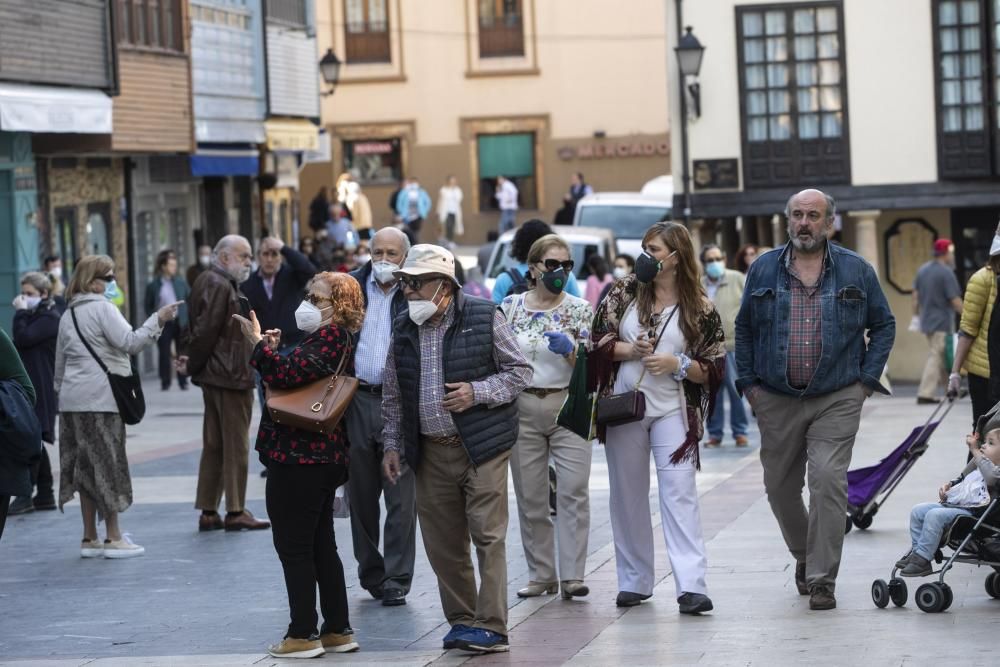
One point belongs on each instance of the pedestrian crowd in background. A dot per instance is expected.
(455, 384)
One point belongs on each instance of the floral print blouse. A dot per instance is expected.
(316, 357)
(572, 316)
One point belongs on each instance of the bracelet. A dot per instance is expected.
(683, 364)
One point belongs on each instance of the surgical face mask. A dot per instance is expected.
(619, 272)
(111, 290)
(56, 272)
(205, 261)
(383, 271)
(646, 267)
(715, 269)
(32, 301)
(362, 259)
(995, 247)
(422, 310)
(554, 281)
(309, 317)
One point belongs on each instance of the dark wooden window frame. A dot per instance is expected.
(367, 46)
(498, 40)
(798, 148)
(963, 155)
(135, 29)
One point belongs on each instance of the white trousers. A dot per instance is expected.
(627, 451)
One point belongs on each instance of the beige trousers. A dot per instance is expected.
(539, 439)
(225, 448)
(456, 500)
(812, 435)
(935, 374)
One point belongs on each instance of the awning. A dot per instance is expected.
(49, 109)
(287, 134)
(236, 160)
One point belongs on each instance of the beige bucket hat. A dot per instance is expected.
(426, 259)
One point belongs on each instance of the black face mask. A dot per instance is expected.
(554, 281)
(646, 268)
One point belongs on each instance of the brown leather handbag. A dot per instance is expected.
(318, 406)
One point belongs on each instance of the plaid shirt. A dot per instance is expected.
(512, 376)
(805, 332)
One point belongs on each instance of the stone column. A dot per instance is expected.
(779, 230)
(866, 236)
(695, 230)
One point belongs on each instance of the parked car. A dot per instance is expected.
(627, 214)
(582, 242)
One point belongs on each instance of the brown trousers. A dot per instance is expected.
(455, 501)
(225, 449)
(818, 431)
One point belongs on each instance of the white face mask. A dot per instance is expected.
(308, 317)
(56, 272)
(383, 271)
(422, 310)
(205, 261)
(362, 259)
(995, 246)
(619, 272)
(32, 301)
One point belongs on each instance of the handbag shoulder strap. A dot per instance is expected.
(76, 325)
(343, 360)
(657, 342)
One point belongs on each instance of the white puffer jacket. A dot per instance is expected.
(80, 382)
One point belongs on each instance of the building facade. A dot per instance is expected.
(533, 90)
(810, 94)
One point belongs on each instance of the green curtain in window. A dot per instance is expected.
(506, 155)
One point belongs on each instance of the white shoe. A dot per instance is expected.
(123, 548)
(91, 549)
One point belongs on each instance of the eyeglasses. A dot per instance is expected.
(554, 264)
(316, 299)
(416, 284)
(106, 279)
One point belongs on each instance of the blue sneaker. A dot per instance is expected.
(481, 640)
(456, 631)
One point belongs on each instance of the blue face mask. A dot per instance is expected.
(715, 270)
(111, 290)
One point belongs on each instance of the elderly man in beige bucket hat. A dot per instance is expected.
(452, 376)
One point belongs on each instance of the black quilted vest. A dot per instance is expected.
(468, 356)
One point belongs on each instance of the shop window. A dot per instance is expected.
(374, 161)
(501, 28)
(793, 94)
(98, 229)
(366, 31)
(63, 163)
(513, 157)
(65, 223)
(150, 23)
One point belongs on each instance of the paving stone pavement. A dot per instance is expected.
(218, 599)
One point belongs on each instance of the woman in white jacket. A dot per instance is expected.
(91, 432)
(449, 210)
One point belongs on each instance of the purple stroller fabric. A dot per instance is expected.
(864, 484)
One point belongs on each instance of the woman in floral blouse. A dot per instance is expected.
(679, 376)
(305, 468)
(548, 322)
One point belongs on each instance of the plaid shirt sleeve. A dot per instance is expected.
(392, 412)
(513, 370)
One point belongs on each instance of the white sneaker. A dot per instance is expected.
(123, 548)
(91, 549)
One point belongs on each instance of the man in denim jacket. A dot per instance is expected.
(803, 361)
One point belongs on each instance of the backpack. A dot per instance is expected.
(519, 283)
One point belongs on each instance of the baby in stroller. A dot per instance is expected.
(971, 490)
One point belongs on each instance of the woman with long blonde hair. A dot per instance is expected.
(657, 332)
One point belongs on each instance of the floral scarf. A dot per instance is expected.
(709, 350)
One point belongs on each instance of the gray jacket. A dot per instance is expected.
(80, 382)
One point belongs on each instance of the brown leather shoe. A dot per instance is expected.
(742, 441)
(800, 579)
(713, 442)
(821, 598)
(245, 521)
(208, 522)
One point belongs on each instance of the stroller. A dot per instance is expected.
(869, 488)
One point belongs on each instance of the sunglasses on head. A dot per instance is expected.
(416, 284)
(555, 264)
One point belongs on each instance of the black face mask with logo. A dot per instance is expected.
(646, 268)
(555, 281)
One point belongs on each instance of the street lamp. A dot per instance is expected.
(689, 54)
(329, 67)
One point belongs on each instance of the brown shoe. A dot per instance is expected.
(800, 579)
(713, 442)
(821, 598)
(245, 521)
(742, 441)
(208, 522)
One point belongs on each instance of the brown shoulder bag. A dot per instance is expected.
(318, 406)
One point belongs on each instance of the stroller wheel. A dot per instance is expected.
(848, 525)
(863, 521)
(880, 593)
(949, 597)
(930, 598)
(897, 591)
(993, 585)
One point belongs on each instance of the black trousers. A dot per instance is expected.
(982, 401)
(41, 475)
(4, 506)
(300, 506)
(171, 332)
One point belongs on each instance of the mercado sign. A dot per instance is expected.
(619, 149)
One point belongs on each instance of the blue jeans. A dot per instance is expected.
(928, 522)
(508, 219)
(737, 411)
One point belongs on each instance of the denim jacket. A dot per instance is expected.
(853, 304)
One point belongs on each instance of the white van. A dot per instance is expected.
(627, 214)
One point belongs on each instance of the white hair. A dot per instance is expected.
(404, 240)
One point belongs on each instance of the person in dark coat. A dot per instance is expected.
(276, 288)
(36, 328)
(166, 288)
(318, 210)
(15, 462)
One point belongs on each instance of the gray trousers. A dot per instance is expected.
(818, 431)
(365, 485)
